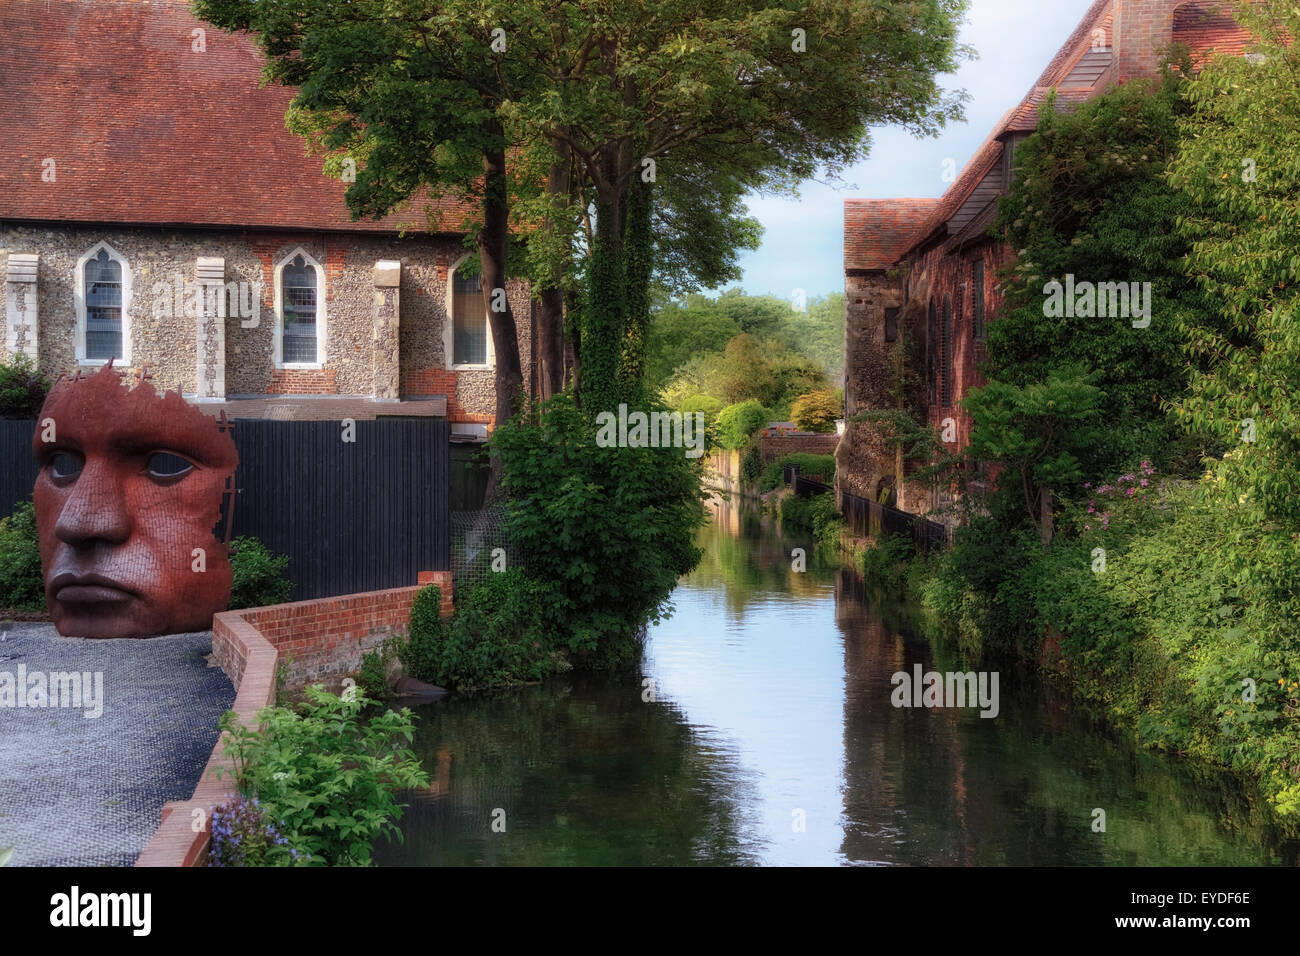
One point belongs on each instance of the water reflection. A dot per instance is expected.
(772, 739)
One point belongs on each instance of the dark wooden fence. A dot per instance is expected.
(352, 516)
(871, 519)
(867, 518)
(17, 467)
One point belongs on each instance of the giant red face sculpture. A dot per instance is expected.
(128, 495)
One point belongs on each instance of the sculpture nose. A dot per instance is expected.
(94, 510)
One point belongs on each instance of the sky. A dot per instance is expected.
(803, 240)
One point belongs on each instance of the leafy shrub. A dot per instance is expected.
(497, 638)
(329, 775)
(884, 565)
(608, 531)
(751, 464)
(816, 514)
(421, 655)
(738, 423)
(258, 574)
(22, 586)
(817, 411)
(707, 404)
(809, 465)
(372, 678)
(243, 835)
(22, 388)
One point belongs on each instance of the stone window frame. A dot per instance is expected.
(321, 312)
(79, 343)
(449, 328)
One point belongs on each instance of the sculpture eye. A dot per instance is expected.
(65, 465)
(163, 464)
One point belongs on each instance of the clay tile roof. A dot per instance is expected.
(878, 231)
(1024, 119)
(142, 129)
(988, 155)
(1207, 28)
(1021, 118)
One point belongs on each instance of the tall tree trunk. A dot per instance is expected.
(550, 315)
(638, 252)
(509, 379)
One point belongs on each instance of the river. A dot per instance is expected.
(762, 731)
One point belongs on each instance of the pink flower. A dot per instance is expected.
(1091, 510)
(1087, 484)
(1132, 492)
(1145, 483)
(1087, 527)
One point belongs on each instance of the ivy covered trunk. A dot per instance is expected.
(509, 377)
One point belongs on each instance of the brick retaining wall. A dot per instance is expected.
(320, 639)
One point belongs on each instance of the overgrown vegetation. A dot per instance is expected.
(258, 574)
(22, 388)
(810, 466)
(22, 586)
(1166, 455)
(608, 530)
(324, 778)
(816, 514)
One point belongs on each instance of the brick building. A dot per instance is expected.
(154, 209)
(929, 267)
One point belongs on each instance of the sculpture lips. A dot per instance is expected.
(69, 588)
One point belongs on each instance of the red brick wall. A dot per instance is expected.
(302, 381)
(774, 447)
(1141, 28)
(321, 638)
(326, 638)
(439, 381)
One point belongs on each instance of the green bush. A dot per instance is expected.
(421, 654)
(497, 638)
(885, 564)
(329, 775)
(258, 574)
(809, 466)
(608, 531)
(816, 514)
(751, 464)
(22, 586)
(707, 404)
(738, 423)
(22, 388)
(372, 678)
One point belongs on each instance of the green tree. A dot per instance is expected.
(1037, 433)
(1235, 163)
(738, 423)
(817, 411)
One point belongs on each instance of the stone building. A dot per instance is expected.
(155, 210)
(928, 267)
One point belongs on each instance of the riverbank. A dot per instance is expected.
(760, 729)
(1136, 616)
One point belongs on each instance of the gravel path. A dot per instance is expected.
(81, 789)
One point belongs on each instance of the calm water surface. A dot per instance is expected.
(761, 732)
